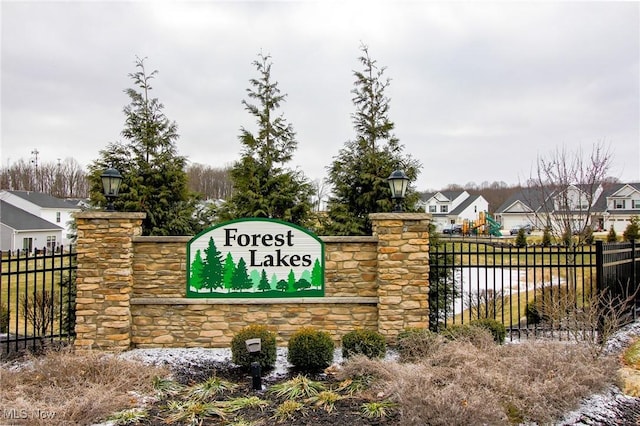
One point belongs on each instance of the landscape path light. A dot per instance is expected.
(254, 346)
(398, 183)
(111, 180)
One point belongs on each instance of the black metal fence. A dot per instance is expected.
(618, 273)
(37, 299)
(472, 280)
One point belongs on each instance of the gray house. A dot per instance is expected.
(21, 230)
(54, 210)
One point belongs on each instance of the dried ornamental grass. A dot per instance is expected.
(76, 388)
(461, 384)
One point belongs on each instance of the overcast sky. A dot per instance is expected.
(478, 90)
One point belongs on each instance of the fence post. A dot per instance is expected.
(104, 279)
(403, 271)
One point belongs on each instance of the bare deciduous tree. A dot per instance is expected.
(213, 183)
(62, 179)
(564, 187)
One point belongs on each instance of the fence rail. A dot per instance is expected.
(619, 273)
(37, 299)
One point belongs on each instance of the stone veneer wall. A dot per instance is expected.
(131, 289)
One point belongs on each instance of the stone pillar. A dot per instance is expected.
(403, 271)
(104, 279)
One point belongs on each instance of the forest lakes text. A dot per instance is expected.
(257, 255)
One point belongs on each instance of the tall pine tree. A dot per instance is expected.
(262, 184)
(155, 179)
(359, 172)
(212, 273)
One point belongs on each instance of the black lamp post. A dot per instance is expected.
(398, 182)
(111, 179)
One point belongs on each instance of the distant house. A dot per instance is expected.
(453, 207)
(599, 207)
(51, 209)
(617, 205)
(21, 230)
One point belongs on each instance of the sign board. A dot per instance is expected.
(255, 258)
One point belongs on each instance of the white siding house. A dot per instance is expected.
(453, 207)
(21, 230)
(51, 209)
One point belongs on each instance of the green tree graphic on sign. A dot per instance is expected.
(196, 271)
(228, 270)
(316, 274)
(212, 270)
(264, 282)
(240, 279)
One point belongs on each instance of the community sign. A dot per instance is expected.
(255, 258)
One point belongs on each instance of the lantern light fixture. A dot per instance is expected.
(398, 183)
(111, 180)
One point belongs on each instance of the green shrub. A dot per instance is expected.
(365, 342)
(612, 237)
(546, 237)
(417, 343)
(497, 329)
(310, 350)
(4, 319)
(267, 355)
(521, 238)
(632, 231)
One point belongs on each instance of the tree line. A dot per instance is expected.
(67, 179)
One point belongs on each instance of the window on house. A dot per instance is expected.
(619, 204)
(51, 242)
(635, 204)
(444, 209)
(433, 209)
(57, 217)
(27, 244)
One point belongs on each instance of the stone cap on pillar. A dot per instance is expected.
(402, 216)
(100, 214)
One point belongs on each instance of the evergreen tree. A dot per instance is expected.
(291, 281)
(229, 268)
(612, 237)
(443, 289)
(154, 176)
(359, 172)
(212, 269)
(521, 238)
(262, 184)
(264, 282)
(241, 280)
(316, 274)
(196, 271)
(255, 278)
(632, 231)
(274, 280)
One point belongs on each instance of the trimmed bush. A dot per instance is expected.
(496, 328)
(267, 355)
(310, 350)
(364, 342)
(415, 344)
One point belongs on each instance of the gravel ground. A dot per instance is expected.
(611, 407)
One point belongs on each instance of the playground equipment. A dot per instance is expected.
(484, 225)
